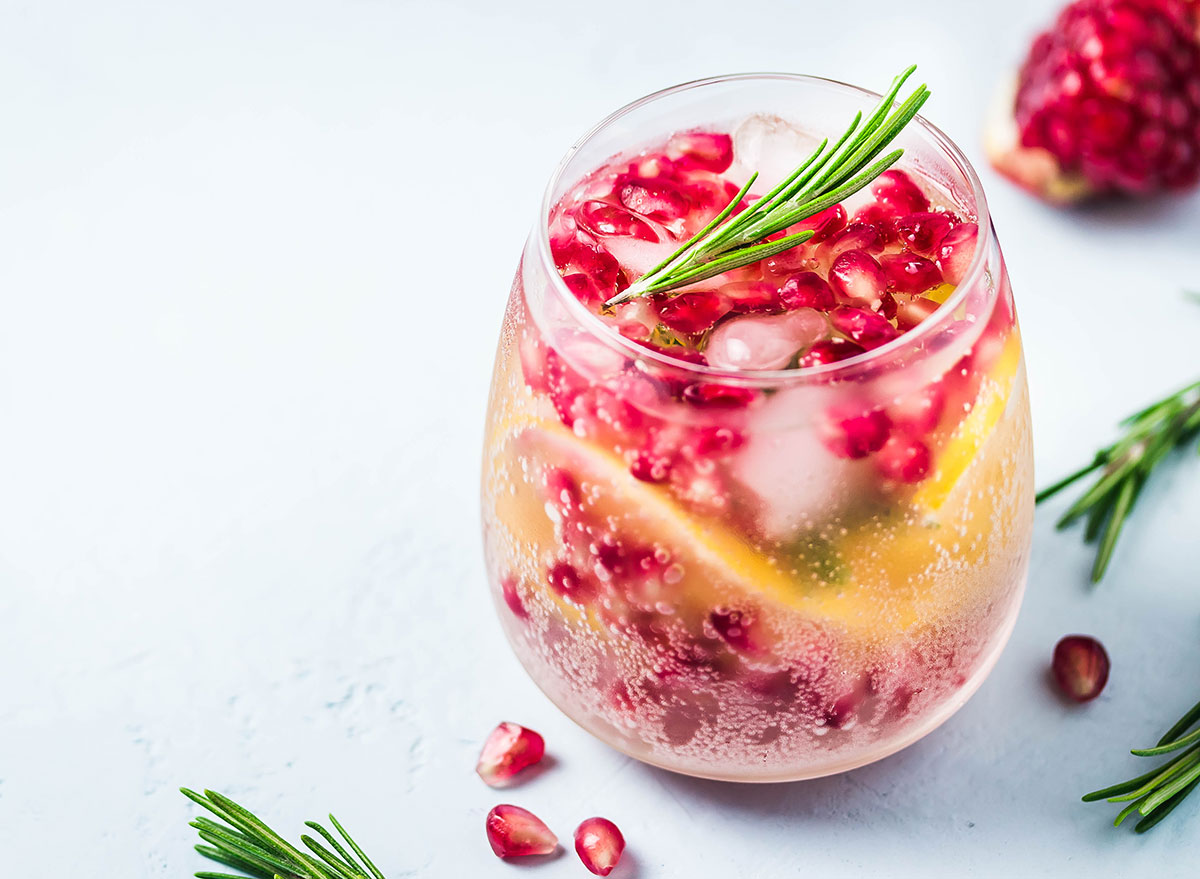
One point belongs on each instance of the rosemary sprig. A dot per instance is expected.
(826, 177)
(245, 843)
(1124, 468)
(1155, 794)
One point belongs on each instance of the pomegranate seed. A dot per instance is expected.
(568, 582)
(1080, 667)
(828, 351)
(534, 362)
(514, 832)
(856, 236)
(697, 149)
(868, 329)
(714, 442)
(649, 466)
(693, 313)
(903, 459)
(880, 218)
(509, 749)
(572, 255)
(797, 259)
(909, 314)
(751, 296)
(512, 598)
(602, 218)
(599, 844)
(658, 200)
(909, 273)
(956, 251)
(920, 411)
(896, 190)
(856, 436)
(859, 280)
(806, 290)
(737, 628)
(584, 288)
(923, 231)
(824, 224)
(714, 395)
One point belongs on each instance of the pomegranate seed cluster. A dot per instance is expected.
(1112, 91)
(515, 832)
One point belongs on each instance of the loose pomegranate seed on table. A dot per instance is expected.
(599, 844)
(1080, 667)
(509, 749)
(513, 832)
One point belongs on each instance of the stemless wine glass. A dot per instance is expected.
(711, 569)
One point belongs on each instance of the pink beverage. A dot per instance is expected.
(776, 524)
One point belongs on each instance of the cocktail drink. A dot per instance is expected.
(775, 523)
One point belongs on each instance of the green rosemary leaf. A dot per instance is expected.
(1165, 809)
(332, 840)
(738, 258)
(358, 851)
(1182, 726)
(340, 867)
(1160, 796)
(1182, 742)
(267, 861)
(1116, 521)
(224, 856)
(1125, 813)
(1054, 488)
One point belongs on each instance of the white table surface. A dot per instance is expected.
(253, 258)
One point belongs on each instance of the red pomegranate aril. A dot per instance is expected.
(856, 236)
(572, 255)
(881, 219)
(911, 313)
(956, 252)
(599, 845)
(602, 218)
(867, 328)
(920, 411)
(857, 279)
(896, 190)
(748, 297)
(658, 200)
(716, 395)
(909, 273)
(1080, 667)
(512, 598)
(714, 442)
(737, 628)
(857, 435)
(806, 290)
(568, 582)
(509, 749)
(828, 351)
(823, 224)
(904, 459)
(514, 832)
(693, 313)
(697, 149)
(584, 288)
(923, 231)
(650, 466)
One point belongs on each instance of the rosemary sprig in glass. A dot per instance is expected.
(1155, 794)
(1124, 468)
(825, 178)
(245, 843)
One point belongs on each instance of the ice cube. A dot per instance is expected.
(764, 342)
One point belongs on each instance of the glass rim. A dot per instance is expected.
(907, 341)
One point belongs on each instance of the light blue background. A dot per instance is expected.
(254, 258)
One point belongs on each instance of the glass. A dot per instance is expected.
(695, 564)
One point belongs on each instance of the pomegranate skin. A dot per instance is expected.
(1106, 102)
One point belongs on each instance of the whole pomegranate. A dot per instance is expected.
(1107, 102)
